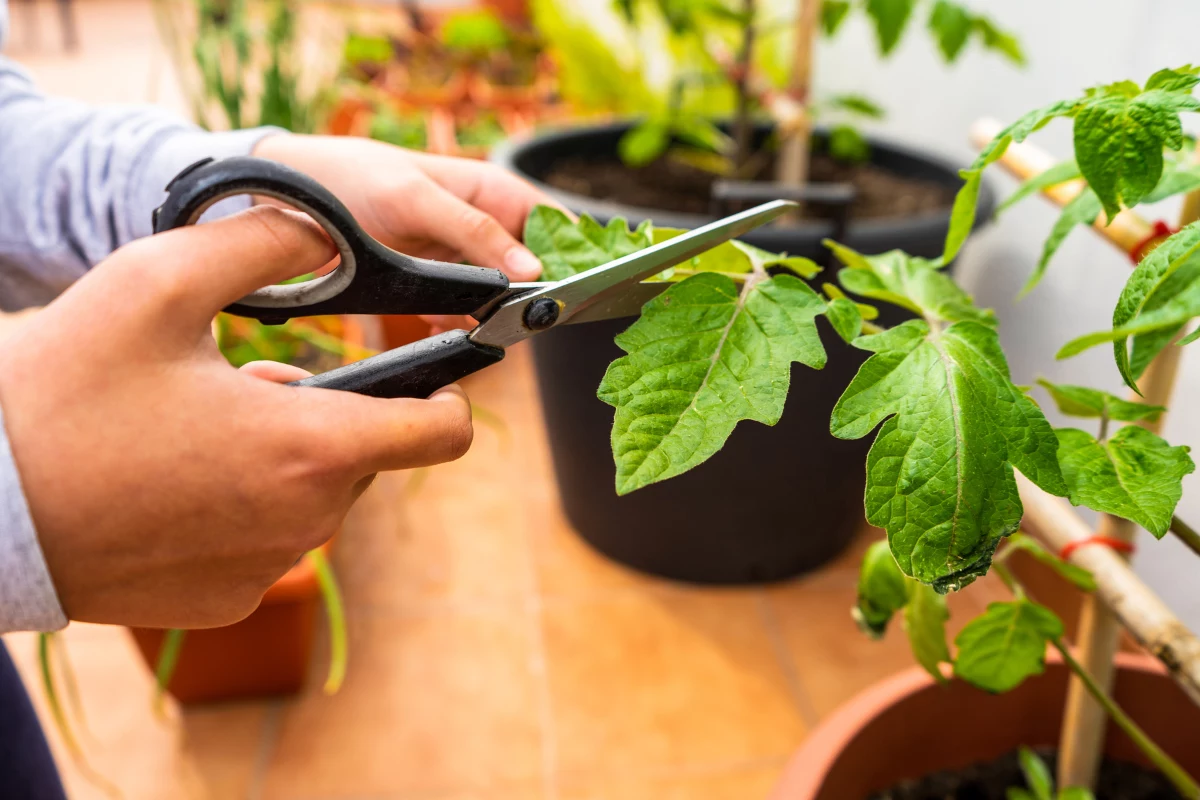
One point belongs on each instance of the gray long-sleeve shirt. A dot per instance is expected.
(76, 182)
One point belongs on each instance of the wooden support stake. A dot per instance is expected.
(1138, 608)
(796, 143)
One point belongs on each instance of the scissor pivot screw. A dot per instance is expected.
(541, 314)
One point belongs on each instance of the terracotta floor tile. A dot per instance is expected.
(832, 659)
(734, 783)
(205, 754)
(456, 533)
(436, 702)
(665, 680)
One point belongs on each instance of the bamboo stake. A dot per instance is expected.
(1082, 741)
(794, 148)
(1139, 609)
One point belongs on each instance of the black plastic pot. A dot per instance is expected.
(775, 502)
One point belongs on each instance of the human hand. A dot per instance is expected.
(169, 489)
(450, 209)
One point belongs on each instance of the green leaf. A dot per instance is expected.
(1080, 577)
(1006, 644)
(1015, 793)
(644, 142)
(1135, 474)
(909, 282)
(890, 18)
(951, 25)
(1120, 133)
(925, 618)
(844, 316)
(856, 104)
(940, 473)
(1176, 179)
(847, 144)
(567, 248)
(1181, 79)
(1076, 793)
(1080, 401)
(700, 132)
(1081, 210)
(882, 590)
(760, 259)
(833, 14)
(1061, 172)
(1037, 774)
(705, 354)
(998, 40)
(1161, 295)
(962, 216)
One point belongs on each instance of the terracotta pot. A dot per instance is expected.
(528, 98)
(264, 655)
(908, 726)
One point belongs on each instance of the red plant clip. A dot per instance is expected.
(1160, 230)
(1118, 545)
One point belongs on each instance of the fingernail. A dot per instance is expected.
(522, 265)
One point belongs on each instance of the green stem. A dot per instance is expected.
(1165, 764)
(336, 614)
(168, 659)
(1186, 533)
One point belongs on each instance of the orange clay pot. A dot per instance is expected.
(267, 653)
(908, 726)
(264, 655)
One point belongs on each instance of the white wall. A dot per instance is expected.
(1070, 44)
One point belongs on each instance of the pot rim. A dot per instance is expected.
(508, 152)
(822, 747)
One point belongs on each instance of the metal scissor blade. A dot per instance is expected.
(602, 284)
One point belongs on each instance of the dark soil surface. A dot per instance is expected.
(1118, 781)
(675, 186)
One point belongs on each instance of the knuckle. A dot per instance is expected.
(477, 225)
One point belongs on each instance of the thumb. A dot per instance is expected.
(216, 263)
(445, 218)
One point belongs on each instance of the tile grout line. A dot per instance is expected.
(266, 749)
(804, 704)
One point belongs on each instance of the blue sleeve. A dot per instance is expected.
(78, 181)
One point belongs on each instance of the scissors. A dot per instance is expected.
(374, 279)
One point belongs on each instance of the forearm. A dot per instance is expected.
(78, 181)
(28, 601)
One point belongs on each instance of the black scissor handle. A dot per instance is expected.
(371, 278)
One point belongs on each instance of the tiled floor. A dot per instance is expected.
(493, 656)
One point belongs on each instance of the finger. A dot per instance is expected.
(476, 234)
(274, 371)
(375, 435)
(489, 188)
(203, 268)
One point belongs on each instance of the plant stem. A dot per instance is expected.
(1103, 425)
(336, 613)
(743, 128)
(1168, 766)
(1165, 764)
(168, 659)
(1186, 533)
